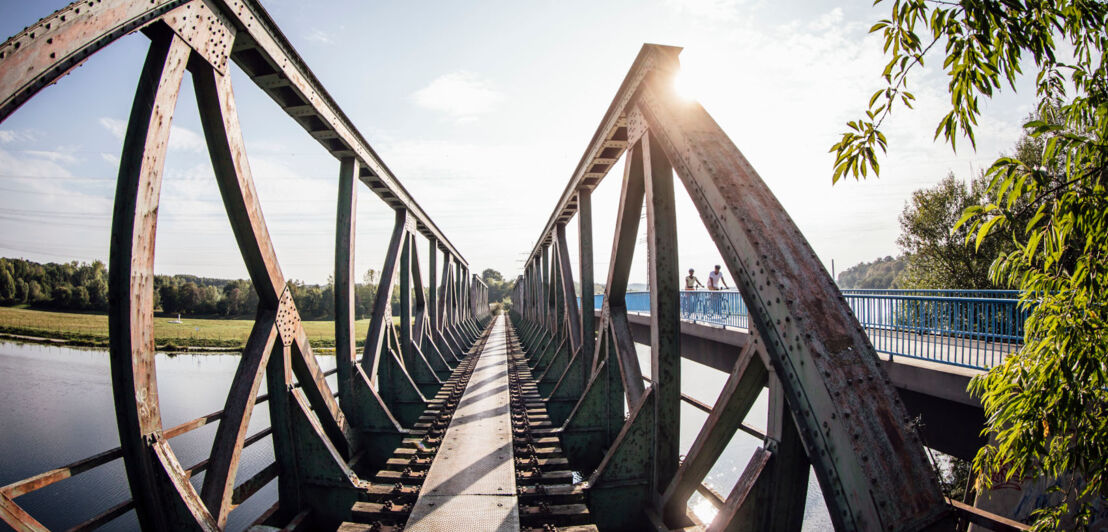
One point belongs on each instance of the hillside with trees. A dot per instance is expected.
(933, 245)
(882, 273)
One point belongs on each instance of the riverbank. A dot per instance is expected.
(170, 334)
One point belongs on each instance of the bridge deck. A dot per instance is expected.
(471, 483)
(947, 353)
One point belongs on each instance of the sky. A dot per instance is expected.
(482, 110)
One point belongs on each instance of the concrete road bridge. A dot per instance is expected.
(540, 419)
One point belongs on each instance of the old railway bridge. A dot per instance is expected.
(458, 419)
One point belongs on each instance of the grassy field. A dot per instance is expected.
(92, 329)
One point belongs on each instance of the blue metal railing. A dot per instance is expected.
(967, 328)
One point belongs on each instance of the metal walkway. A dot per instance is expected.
(471, 483)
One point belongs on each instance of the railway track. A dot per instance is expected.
(549, 499)
(394, 489)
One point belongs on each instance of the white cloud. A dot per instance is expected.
(114, 126)
(319, 36)
(31, 165)
(8, 136)
(827, 20)
(52, 215)
(53, 156)
(180, 138)
(463, 95)
(716, 10)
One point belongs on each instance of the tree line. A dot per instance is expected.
(500, 290)
(65, 286)
(83, 287)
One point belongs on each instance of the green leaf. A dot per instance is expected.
(984, 230)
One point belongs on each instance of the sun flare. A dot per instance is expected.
(685, 84)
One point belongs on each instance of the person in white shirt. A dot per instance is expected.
(715, 284)
(715, 280)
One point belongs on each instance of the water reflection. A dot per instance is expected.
(58, 409)
(704, 384)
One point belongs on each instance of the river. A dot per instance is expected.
(57, 408)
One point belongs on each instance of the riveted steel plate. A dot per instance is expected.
(206, 29)
(288, 319)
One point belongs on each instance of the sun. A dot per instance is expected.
(685, 84)
(690, 80)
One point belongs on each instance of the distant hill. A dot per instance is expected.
(880, 274)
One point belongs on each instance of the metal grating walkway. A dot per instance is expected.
(471, 483)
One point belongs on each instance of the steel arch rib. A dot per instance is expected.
(47, 50)
(164, 499)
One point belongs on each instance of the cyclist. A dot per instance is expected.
(691, 282)
(715, 279)
(715, 284)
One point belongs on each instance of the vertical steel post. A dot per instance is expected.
(345, 350)
(376, 348)
(568, 297)
(619, 269)
(406, 300)
(665, 326)
(588, 308)
(432, 286)
(545, 285)
(555, 298)
(532, 291)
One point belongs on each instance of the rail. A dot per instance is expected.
(966, 328)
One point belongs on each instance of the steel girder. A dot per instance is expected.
(833, 405)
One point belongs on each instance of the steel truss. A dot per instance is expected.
(321, 444)
(831, 405)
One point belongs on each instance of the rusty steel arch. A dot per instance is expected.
(321, 444)
(831, 404)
